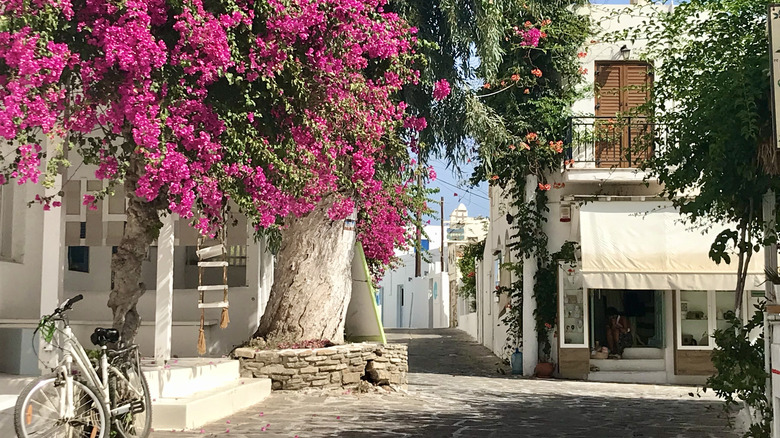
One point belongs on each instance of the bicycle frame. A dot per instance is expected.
(74, 352)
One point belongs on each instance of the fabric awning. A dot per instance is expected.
(644, 245)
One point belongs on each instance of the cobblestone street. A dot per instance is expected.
(456, 389)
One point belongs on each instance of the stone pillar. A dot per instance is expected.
(163, 321)
(530, 344)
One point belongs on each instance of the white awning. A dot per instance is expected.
(644, 245)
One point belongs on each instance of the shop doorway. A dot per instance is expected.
(643, 309)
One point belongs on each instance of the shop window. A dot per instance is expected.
(78, 258)
(701, 312)
(573, 307)
(694, 312)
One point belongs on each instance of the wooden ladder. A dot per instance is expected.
(211, 257)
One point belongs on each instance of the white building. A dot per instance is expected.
(47, 256)
(408, 301)
(462, 230)
(636, 256)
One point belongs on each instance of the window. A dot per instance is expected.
(572, 307)
(78, 258)
(236, 255)
(701, 312)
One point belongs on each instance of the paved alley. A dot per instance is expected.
(457, 389)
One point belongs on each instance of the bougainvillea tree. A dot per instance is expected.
(286, 107)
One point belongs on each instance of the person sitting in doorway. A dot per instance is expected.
(618, 332)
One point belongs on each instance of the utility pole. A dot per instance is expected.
(418, 248)
(441, 248)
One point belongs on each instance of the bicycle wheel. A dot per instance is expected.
(39, 411)
(131, 389)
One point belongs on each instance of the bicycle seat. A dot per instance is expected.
(104, 336)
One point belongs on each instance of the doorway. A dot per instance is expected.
(643, 309)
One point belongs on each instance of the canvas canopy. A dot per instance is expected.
(645, 245)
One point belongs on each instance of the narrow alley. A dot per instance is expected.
(457, 388)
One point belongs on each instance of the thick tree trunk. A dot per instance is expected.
(312, 280)
(142, 227)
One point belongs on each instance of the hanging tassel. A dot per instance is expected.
(201, 342)
(201, 335)
(224, 320)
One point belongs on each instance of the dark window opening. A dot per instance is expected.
(78, 258)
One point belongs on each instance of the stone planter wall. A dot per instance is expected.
(337, 366)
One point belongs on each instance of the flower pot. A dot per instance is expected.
(544, 369)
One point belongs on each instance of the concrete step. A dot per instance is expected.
(643, 353)
(204, 407)
(657, 377)
(187, 376)
(629, 364)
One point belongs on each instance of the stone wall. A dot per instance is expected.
(337, 366)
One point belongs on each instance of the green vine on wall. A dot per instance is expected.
(528, 124)
(472, 253)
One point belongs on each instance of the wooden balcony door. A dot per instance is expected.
(622, 136)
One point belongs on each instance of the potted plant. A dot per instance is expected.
(546, 295)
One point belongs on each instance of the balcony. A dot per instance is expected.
(612, 142)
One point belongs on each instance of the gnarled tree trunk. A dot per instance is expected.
(312, 279)
(142, 227)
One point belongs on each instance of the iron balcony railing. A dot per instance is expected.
(611, 142)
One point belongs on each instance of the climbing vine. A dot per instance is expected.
(531, 103)
(472, 253)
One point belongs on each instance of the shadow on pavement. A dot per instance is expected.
(448, 351)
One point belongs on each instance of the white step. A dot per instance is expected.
(629, 364)
(205, 407)
(212, 264)
(186, 376)
(213, 287)
(217, 305)
(656, 377)
(211, 251)
(643, 353)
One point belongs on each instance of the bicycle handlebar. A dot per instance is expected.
(68, 304)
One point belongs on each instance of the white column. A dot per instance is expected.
(530, 344)
(770, 263)
(52, 261)
(254, 279)
(163, 320)
(266, 275)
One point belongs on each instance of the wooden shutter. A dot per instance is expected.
(608, 99)
(636, 85)
(621, 86)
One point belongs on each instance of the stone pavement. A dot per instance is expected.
(456, 389)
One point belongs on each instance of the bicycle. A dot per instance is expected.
(85, 400)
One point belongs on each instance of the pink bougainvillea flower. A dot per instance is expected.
(441, 89)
